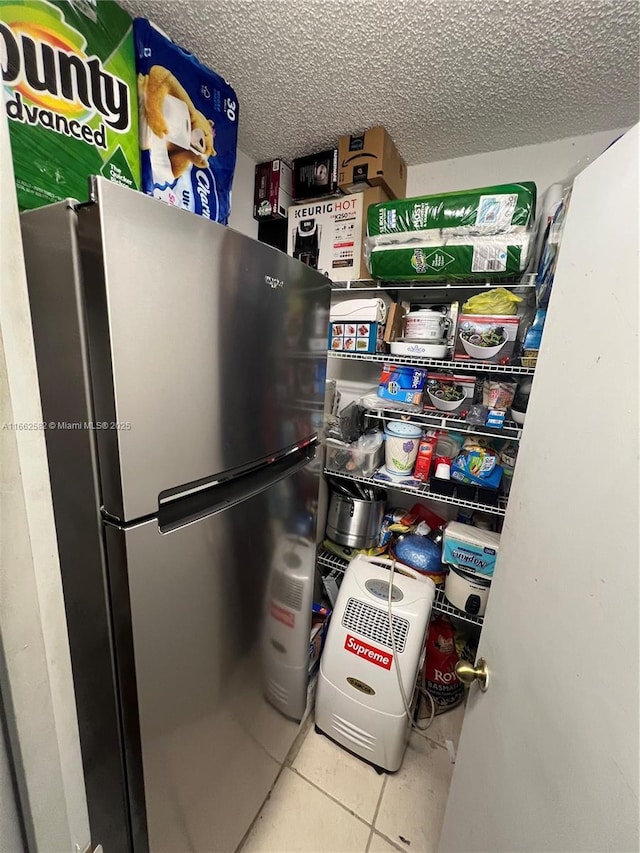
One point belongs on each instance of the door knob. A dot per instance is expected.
(468, 673)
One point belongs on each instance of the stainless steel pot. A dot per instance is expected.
(354, 522)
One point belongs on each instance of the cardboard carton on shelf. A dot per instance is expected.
(315, 176)
(329, 234)
(371, 159)
(272, 190)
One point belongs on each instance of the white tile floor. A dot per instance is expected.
(328, 801)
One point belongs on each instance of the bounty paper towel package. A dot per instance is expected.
(188, 126)
(70, 95)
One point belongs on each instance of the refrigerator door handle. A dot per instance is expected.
(191, 508)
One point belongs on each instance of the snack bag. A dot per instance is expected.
(440, 662)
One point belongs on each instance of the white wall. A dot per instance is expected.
(10, 831)
(35, 666)
(242, 196)
(545, 163)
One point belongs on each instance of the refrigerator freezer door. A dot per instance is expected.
(205, 608)
(207, 348)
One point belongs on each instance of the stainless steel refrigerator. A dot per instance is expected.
(181, 367)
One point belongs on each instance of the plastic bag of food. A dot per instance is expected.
(445, 647)
(498, 395)
(498, 301)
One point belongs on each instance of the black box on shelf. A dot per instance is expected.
(273, 232)
(466, 491)
(441, 487)
(316, 175)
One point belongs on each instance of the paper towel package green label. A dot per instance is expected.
(70, 94)
(502, 209)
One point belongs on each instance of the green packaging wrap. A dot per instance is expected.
(503, 209)
(457, 257)
(70, 95)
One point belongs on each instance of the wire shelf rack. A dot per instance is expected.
(424, 493)
(466, 366)
(527, 280)
(440, 420)
(331, 561)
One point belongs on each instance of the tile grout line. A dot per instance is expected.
(389, 841)
(330, 797)
(370, 839)
(379, 803)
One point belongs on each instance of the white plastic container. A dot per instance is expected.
(426, 326)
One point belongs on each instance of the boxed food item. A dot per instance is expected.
(504, 209)
(355, 337)
(486, 338)
(402, 384)
(470, 547)
(357, 325)
(188, 126)
(477, 466)
(372, 159)
(316, 175)
(432, 256)
(272, 190)
(70, 85)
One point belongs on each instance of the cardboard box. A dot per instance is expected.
(471, 337)
(272, 190)
(329, 235)
(393, 331)
(372, 159)
(188, 126)
(316, 175)
(364, 336)
(80, 116)
(402, 384)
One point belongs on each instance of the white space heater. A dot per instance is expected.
(287, 625)
(359, 704)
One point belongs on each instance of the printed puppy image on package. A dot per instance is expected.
(188, 126)
(70, 93)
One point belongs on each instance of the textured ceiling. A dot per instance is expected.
(445, 77)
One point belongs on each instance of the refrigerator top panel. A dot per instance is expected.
(207, 348)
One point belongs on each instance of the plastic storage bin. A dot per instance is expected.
(351, 459)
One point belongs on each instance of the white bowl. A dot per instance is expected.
(429, 350)
(445, 405)
(518, 417)
(482, 353)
